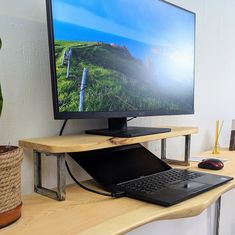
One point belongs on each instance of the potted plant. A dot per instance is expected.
(10, 180)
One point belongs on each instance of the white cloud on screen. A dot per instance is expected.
(82, 17)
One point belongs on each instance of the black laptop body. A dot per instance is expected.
(137, 173)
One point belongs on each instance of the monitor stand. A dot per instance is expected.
(117, 127)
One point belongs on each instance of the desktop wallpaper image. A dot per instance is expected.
(123, 55)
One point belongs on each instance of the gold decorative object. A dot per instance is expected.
(217, 134)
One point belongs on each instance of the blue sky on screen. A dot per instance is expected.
(147, 21)
(144, 26)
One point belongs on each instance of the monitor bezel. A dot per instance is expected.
(109, 114)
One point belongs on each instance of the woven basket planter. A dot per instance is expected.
(10, 184)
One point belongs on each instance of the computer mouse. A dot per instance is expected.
(211, 163)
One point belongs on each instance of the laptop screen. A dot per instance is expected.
(115, 165)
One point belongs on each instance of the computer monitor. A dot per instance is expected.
(120, 58)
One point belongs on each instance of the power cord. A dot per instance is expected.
(63, 126)
(114, 194)
(130, 119)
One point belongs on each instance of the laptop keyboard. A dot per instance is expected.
(158, 181)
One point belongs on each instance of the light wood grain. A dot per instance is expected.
(85, 213)
(85, 142)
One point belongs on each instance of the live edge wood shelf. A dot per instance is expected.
(58, 146)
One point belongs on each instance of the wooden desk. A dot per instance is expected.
(85, 213)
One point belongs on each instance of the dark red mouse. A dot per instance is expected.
(211, 163)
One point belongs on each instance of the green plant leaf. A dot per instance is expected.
(1, 100)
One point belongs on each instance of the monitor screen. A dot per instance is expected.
(118, 164)
(120, 58)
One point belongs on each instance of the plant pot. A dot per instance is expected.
(10, 184)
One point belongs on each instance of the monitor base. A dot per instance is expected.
(117, 127)
(129, 131)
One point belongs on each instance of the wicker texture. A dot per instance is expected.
(10, 179)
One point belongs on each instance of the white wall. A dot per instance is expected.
(25, 80)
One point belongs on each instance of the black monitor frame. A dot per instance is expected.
(96, 115)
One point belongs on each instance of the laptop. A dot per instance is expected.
(137, 173)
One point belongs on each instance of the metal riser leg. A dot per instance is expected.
(186, 153)
(59, 193)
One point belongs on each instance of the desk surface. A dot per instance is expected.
(87, 213)
(84, 142)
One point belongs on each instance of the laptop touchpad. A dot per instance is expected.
(188, 185)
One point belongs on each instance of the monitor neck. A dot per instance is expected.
(117, 123)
